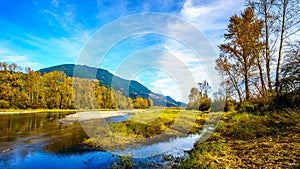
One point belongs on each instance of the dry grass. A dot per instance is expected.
(249, 141)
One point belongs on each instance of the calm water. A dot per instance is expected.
(38, 140)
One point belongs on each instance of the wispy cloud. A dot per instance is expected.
(211, 15)
(45, 51)
(63, 17)
(211, 19)
(9, 56)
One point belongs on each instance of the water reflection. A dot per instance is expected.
(39, 139)
(21, 130)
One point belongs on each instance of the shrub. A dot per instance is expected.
(287, 100)
(4, 104)
(229, 106)
(204, 104)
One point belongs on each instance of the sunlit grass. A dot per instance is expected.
(151, 124)
(245, 140)
(147, 125)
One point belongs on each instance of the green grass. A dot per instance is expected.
(146, 125)
(140, 127)
(151, 124)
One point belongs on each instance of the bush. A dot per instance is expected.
(229, 105)
(204, 104)
(287, 100)
(4, 104)
(256, 106)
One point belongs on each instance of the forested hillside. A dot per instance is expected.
(55, 90)
(129, 88)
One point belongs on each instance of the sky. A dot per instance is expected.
(151, 41)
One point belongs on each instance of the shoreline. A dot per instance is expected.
(7, 112)
(90, 115)
(4, 112)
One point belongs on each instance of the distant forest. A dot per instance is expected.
(54, 90)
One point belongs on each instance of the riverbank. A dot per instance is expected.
(147, 129)
(245, 140)
(95, 114)
(22, 111)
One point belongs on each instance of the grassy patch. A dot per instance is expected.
(91, 142)
(245, 140)
(148, 125)
(144, 125)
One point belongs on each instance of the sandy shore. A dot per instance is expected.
(89, 115)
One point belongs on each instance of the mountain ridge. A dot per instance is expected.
(130, 88)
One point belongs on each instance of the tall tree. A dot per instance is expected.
(204, 88)
(281, 21)
(282, 32)
(290, 72)
(242, 45)
(231, 76)
(199, 97)
(265, 11)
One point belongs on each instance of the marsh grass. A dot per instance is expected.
(148, 125)
(143, 127)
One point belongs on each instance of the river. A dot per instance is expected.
(39, 140)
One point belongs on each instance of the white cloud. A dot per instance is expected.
(211, 15)
(9, 56)
(173, 88)
(211, 18)
(185, 68)
(61, 15)
(45, 51)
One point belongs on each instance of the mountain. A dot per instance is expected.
(129, 88)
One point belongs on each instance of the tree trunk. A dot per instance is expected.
(267, 49)
(235, 84)
(247, 87)
(281, 44)
(263, 87)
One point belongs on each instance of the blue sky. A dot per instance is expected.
(41, 33)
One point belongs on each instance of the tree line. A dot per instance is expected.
(54, 90)
(198, 98)
(260, 56)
